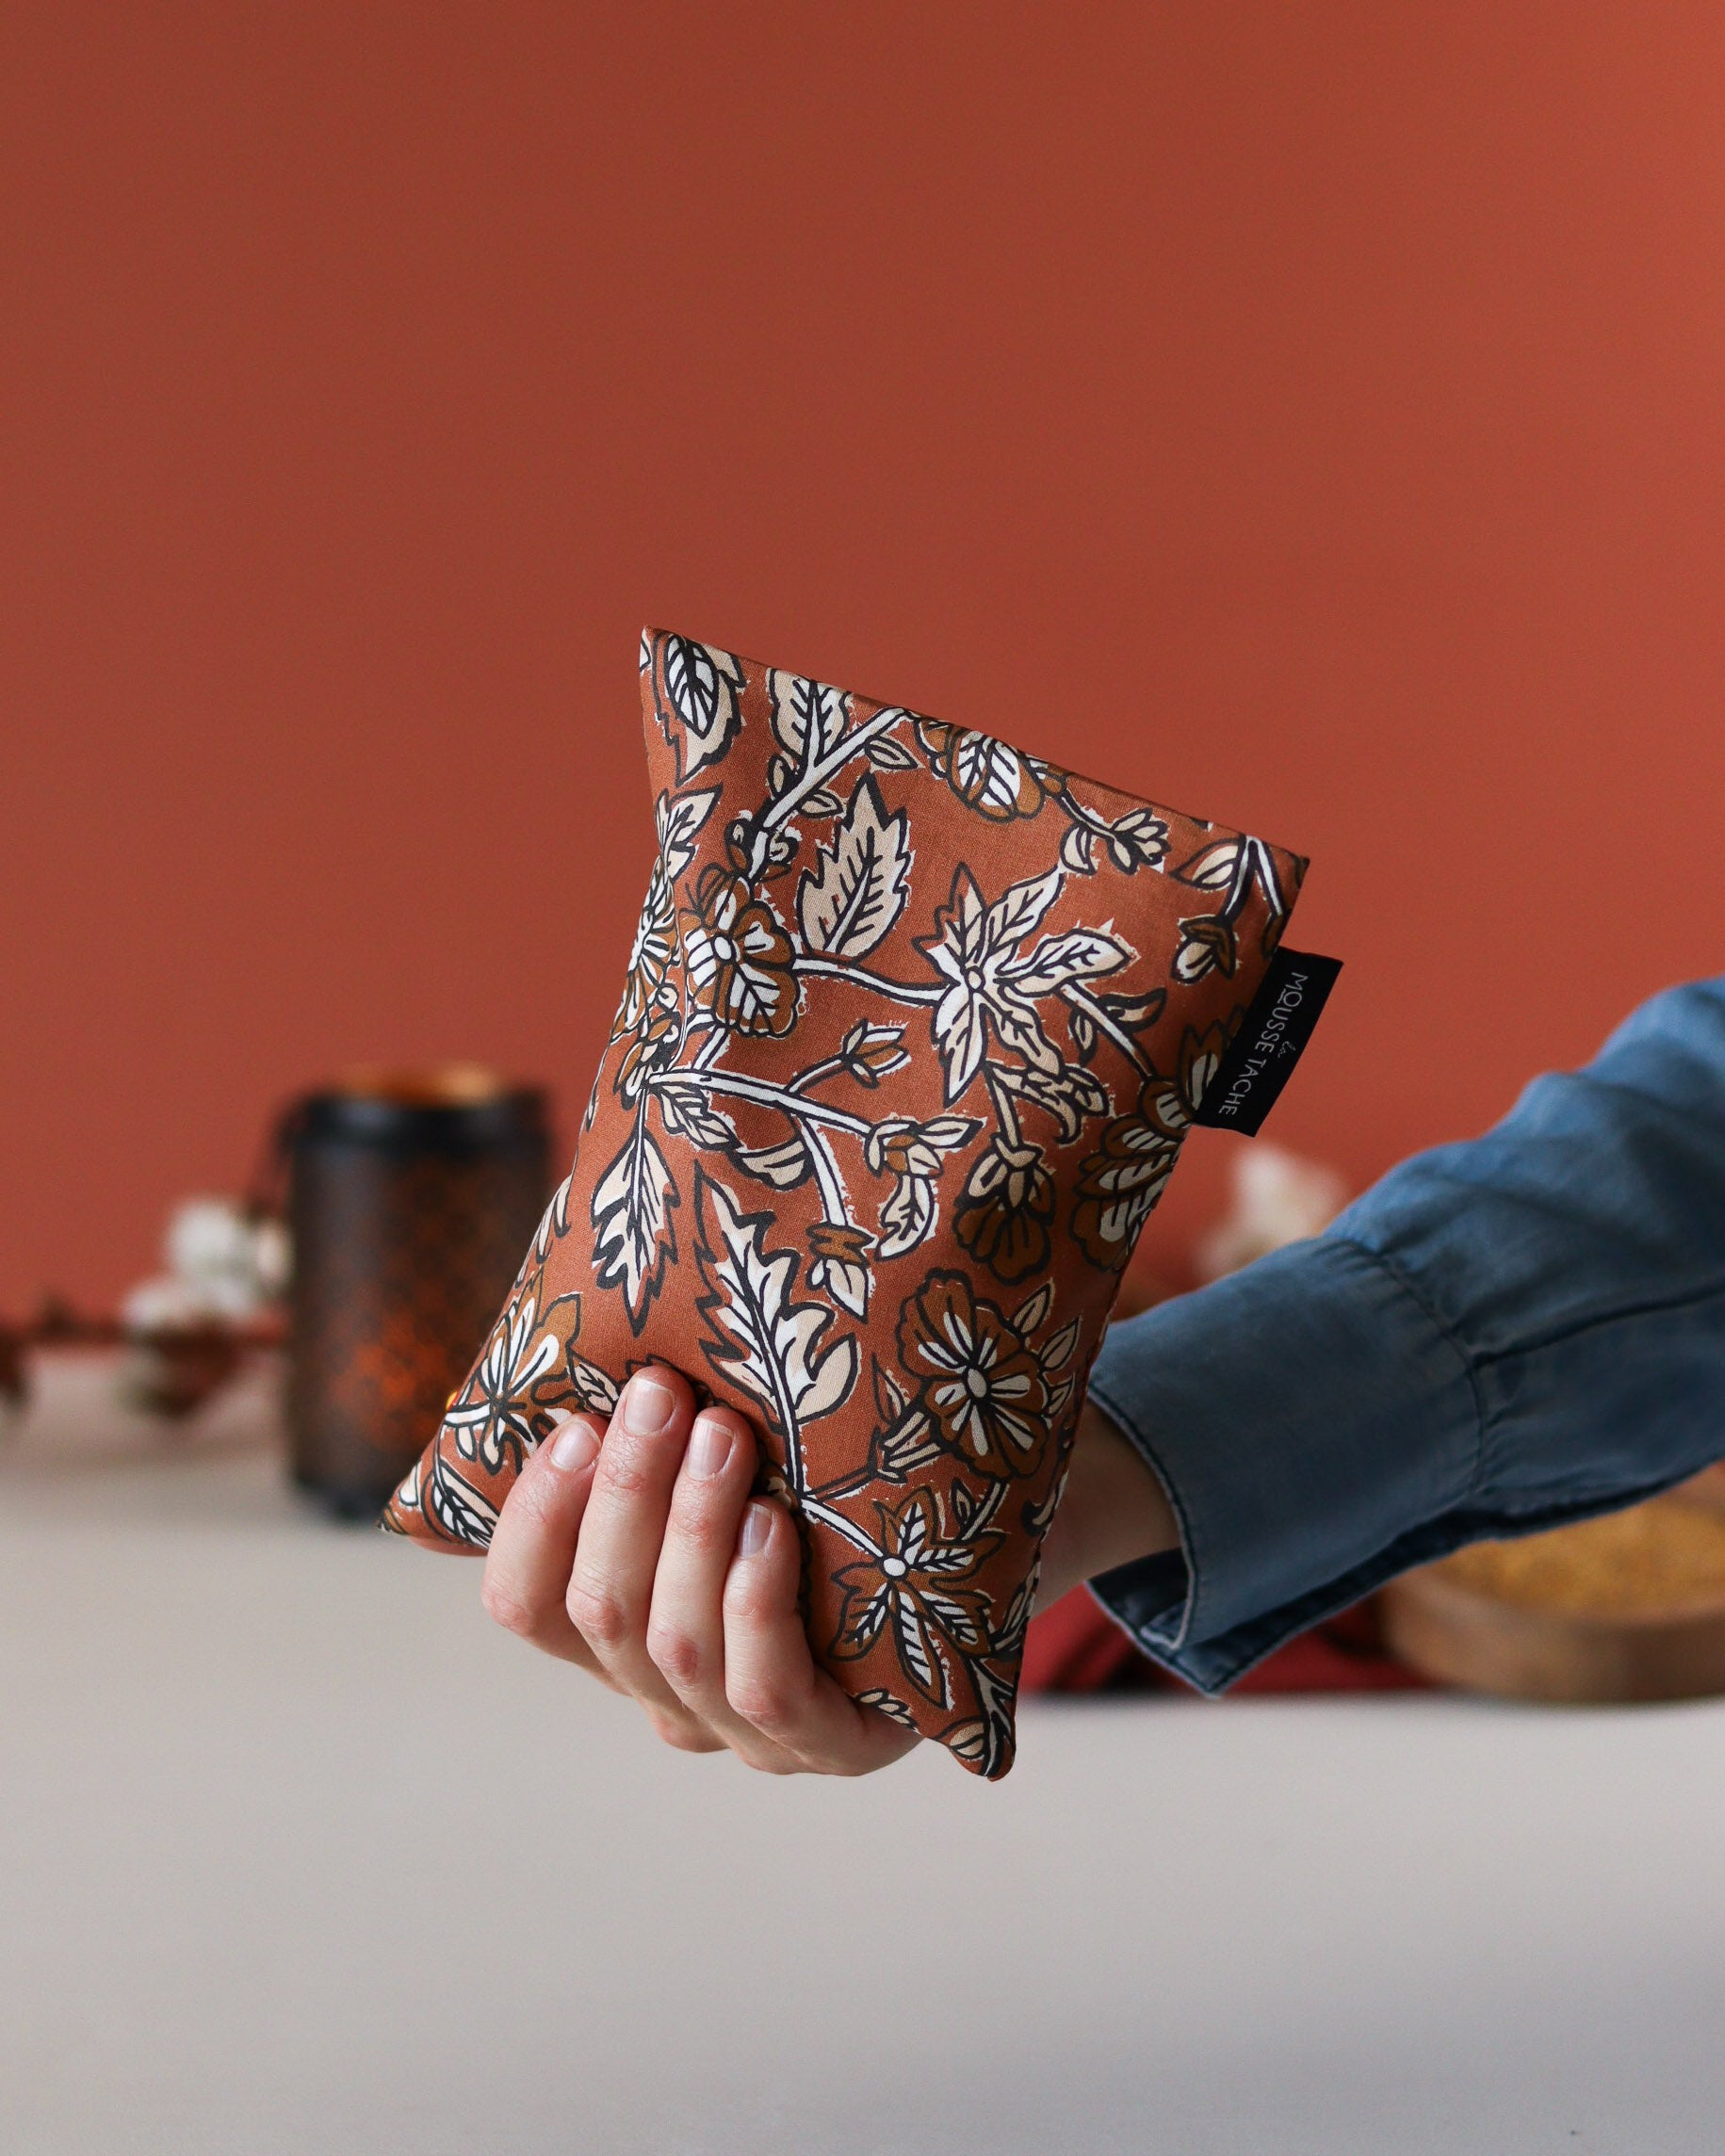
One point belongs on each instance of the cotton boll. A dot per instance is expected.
(1279, 1198)
(164, 1304)
(208, 1238)
(272, 1258)
(233, 1265)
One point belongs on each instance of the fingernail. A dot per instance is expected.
(757, 1530)
(574, 1445)
(647, 1405)
(710, 1448)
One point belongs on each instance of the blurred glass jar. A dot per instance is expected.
(411, 1196)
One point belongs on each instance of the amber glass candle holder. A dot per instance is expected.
(411, 1198)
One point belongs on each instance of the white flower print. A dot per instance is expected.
(494, 1416)
(992, 984)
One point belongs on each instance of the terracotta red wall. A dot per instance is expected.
(1311, 416)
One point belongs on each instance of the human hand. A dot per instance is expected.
(639, 1553)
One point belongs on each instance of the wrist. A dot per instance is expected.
(1114, 1510)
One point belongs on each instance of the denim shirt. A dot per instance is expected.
(1501, 1336)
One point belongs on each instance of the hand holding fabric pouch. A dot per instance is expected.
(913, 1029)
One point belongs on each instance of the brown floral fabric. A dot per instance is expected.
(912, 1028)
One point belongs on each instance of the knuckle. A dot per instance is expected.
(676, 1653)
(533, 1495)
(683, 1736)
(508, 1610)
(600, 1615)
(705, 1527)
(623, 1467)
(775, 1763)
(765, 1704)
(748, 1597)
(632, 1464)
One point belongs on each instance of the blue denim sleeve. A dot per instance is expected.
(1502, 1336)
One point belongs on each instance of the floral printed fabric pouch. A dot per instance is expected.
(913, 1030)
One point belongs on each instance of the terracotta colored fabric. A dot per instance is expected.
(913, 1029)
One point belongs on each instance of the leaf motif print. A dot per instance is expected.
(688, 1114)
(760, 1336)
(920, 1651)
(1056, 1353)
(458, 1508)
(1201, 1057)
(680, 817)
(1212, 868)
(911, 1154)
(1118, 1185)
(651, 955)
(595, 1390)
(703, 690)
(1013, 1624)
(783, 1165)
(959, 1024)
(553, 1222)
(859, 891)
(1021, 906)
(1033, 1312)
(1170, 1103)
(1069, 1096)
(840, 1269)
(913, 1027)
(1058, 961)
(987, 1743)
(647, 1050)
(1078, 850)
(976, 953)
(1276, 902)
(887, 755)
(993, 778)
(496, 1415)
(908, 1216)
(996, 780)
(633, 1238)
(501, 1409)
(883, 1703)
(889, 1400)
(808, 716)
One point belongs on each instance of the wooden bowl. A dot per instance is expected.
(1627, 1607)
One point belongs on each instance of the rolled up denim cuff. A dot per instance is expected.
(1317, 1431)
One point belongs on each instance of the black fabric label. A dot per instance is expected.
(1270, 1040)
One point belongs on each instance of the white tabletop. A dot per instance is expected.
(302, 1855)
